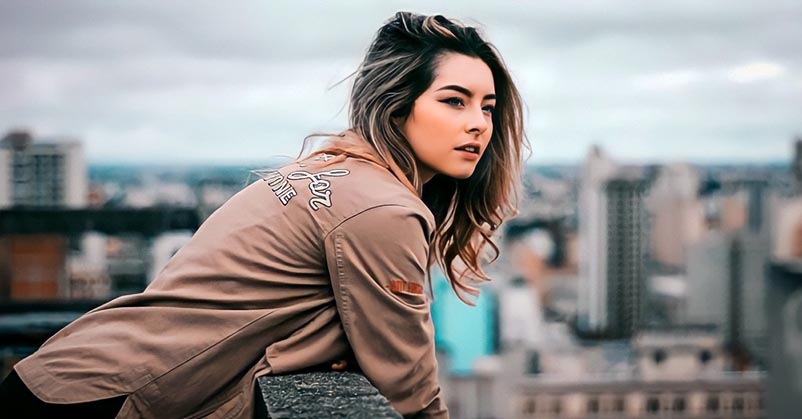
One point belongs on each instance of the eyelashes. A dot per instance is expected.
(458, 103)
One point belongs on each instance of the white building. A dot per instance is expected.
(42, 173)
(593, 241)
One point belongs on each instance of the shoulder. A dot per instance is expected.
(354, 188)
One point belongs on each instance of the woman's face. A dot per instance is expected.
(450, 124)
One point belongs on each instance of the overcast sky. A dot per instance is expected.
(236, 82)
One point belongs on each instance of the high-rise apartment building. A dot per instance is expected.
(626, 241)
(796, 163)
(42, 173)
(612, 242)
(592, 305)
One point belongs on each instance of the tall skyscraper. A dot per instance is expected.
(796, 163)
(754, 259)
(626, 239)
(46, 173)
(612, 245)
(592, 293)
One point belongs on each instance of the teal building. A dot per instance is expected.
(462, 332)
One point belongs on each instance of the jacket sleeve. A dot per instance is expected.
(377, 261)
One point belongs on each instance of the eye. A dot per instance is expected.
(489, 109)
(454, 101)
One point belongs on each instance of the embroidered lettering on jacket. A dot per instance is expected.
(318, 185)
(279, 185)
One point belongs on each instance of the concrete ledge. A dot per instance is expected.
(323, 395)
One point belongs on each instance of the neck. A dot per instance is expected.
(425, 174)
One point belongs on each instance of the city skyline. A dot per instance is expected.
(185, 83)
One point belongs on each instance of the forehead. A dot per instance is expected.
(469, 72)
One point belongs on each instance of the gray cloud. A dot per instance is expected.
(207, 81)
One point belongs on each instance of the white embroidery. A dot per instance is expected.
(320, 157)
(279, 185)
(318, 186)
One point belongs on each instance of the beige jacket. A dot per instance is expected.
(298, 269)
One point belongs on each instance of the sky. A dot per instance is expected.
(238, 82)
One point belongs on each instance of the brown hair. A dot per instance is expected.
(399, 66)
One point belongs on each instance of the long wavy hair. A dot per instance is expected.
(399, 66)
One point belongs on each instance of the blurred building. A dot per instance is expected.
(32, 267)
(5, 177)
(707, 273)
(155, 192)
(751, 288)
(613, 240)
(677, 214)
(726, 287)
(679, 353)
(463, 334)
(757, 191)
(164, 247)
(87, 267)
(618, 397)
(67, 254)
(787, 228)
(42, 173)
(592, 305)
(796, 164)
(626, 235)
(784, 387)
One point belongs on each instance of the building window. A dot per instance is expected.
(557, 406)
(618, 404)
(679, 404)
(738, 404)
(653, 404)
(593, 405)
(530, 406)
(712, 404)
(659, 356)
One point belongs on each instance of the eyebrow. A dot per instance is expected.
(465, 91)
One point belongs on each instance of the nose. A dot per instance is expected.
(477, 122)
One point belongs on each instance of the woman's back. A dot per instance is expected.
(254, 276)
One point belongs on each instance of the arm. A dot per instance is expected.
(387, 322)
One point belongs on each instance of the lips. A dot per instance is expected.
(472, 147)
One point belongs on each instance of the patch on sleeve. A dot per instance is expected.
(398, 286)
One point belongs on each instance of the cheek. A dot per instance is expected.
(425, 121)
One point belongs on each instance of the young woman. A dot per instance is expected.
(322, 260)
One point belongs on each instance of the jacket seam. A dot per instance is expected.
(210, 347)
(342, 279)
(341, 222)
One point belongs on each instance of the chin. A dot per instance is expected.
(459, 173)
